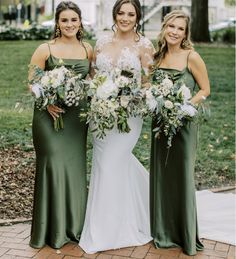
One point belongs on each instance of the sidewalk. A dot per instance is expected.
(14, 244)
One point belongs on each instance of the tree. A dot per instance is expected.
(230, 2)
(200, 24)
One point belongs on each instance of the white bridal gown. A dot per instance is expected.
(118, 203)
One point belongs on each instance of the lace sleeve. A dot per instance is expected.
(147, 51)
(100, 43)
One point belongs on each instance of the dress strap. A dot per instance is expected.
(49, 49)
(85, 50)
(188, 56)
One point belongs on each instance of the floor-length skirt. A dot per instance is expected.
(172, 191)
(118, 204)
(60, 185)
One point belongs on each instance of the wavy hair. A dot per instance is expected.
(136, 4)
(68, 5)
(161, 41)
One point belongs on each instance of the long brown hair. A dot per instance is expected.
(161, 42)
(136, 4)
(67, 5)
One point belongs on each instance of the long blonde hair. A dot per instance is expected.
(161, 42)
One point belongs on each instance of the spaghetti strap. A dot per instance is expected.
(49, 49)
(85, 50)
(188, 56)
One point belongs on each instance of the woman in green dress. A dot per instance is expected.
(172, 190)
(60, 193)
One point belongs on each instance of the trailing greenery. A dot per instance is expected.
(215, 158)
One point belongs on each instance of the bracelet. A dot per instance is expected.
(203, 98)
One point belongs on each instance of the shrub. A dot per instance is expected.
(36, 32)
(226, 35)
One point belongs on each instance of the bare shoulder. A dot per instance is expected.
(88, 46)
(194, 57)
(42, 50)
(89, 49)
(195, 62)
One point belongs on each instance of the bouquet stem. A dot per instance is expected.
(58, 123)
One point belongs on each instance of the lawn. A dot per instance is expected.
(215, 158)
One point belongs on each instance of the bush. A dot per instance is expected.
(9, 33)
(226, 35)
(36, 32)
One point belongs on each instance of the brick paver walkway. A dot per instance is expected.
(14, 244)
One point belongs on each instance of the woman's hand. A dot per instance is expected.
(54, 111)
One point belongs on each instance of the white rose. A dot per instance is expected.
(165, 91)
(122, 81)
(124, 101)
(167, 83)
(188, 109)
(151, 103)
(184, 90)
(37, 90)
(45, 80)
(149, 94)
(168, 104)
(108, 88)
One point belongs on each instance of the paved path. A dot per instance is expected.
(14, 244)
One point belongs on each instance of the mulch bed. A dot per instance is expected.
(16, 182)
(17, 172)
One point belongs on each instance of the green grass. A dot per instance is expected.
(215, 157)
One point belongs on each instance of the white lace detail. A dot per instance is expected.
(101, 42)
(130, 57)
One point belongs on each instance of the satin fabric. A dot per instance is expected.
(172, 190)
(60, 192)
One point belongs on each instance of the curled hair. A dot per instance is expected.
(161, 41)
(136, 4)
(68, 5)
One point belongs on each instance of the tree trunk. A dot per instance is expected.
(199, 25)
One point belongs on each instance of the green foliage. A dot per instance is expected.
(215, 157)
(36, 32)
(230, 2)
(225, 35)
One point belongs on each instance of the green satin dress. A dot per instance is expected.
(172, 189)
(60, 192)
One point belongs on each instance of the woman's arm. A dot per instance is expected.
(90, 58)
(198, 69)
(39, 58)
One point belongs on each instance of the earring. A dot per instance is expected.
(81, 32)
(58, 31)
(184, 43)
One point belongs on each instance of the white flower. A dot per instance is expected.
(107, 89)
(151, 100)
(122, 81)
(37, 90)
(152, 104)
(167, 83)
(45, 80)
(165, 91)
(124, 101)
(168, 104)
(185, 91)
(188, 109)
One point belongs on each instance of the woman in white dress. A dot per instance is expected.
(118, 205)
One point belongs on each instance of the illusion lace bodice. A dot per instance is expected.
(135, 57)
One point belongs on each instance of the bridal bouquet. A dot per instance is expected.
(59, 86)
(114, 98)
(168, 102)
